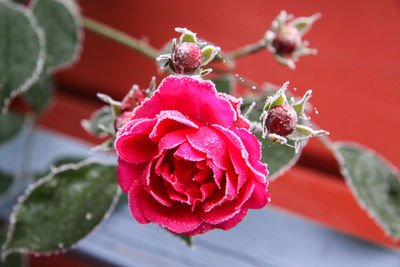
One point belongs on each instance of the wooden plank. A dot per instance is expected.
(268, 237)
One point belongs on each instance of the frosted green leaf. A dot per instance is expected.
(279, 158)
(101, 123)
(62, 208)
(10, 125)
(208, 54)
(61, 24)
(374, 182)
(40, 94)
(22, 51)
(14, 260)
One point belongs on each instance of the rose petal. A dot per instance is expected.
(136, 194)
(227, 210)
(232, 222)
(158, 191)
(212, 143)
(228, 224)
(259, 198)
(173, 139)
(127, 173)
(187, 152)
(202, 228)
(178, 218)
(133, 144)
(218, 173)
(195, 98)
(169, 121)
(202, 176)
(241, 121)
(253, 146)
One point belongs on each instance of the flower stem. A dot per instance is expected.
(248, 49)
(120, 37)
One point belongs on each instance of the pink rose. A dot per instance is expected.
(188, 160)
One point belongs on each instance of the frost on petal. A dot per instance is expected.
(133, 143)
(228, 209)
(178, 218)
(253, 148)
(240, 121)
(232, 222)
(173, 139)
(187, 152)
(169, 121)
(127, 173)
(196, 99)
(212, 143)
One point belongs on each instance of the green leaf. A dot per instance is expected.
(101, 123)
(279, 158)
(225, 84)
(303, 24)
(208, 54)
(61, 23)
(10, 125)
(55, 164)
(186, 35)
(14, 260)
(6, 181)
(187, 239)
(62, 208)
(22, 51)
(40, 94)
(302, 132)
(374, 182)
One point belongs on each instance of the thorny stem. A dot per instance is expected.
(120, 37)
(246, 50)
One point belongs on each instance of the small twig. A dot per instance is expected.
(246, 50)
(120, 37)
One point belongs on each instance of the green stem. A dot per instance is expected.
(248, 49)
(120, 37)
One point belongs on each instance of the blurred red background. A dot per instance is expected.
(355, 80)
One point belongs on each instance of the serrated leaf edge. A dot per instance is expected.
(345, 174)
(75, 12)
(41, 56)
(53, 171)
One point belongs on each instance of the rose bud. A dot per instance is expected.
(186, 57)
(122, 119)
(134, 98)
(282, 120)
(287, 39)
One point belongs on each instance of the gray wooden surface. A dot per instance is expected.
(268, 237)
